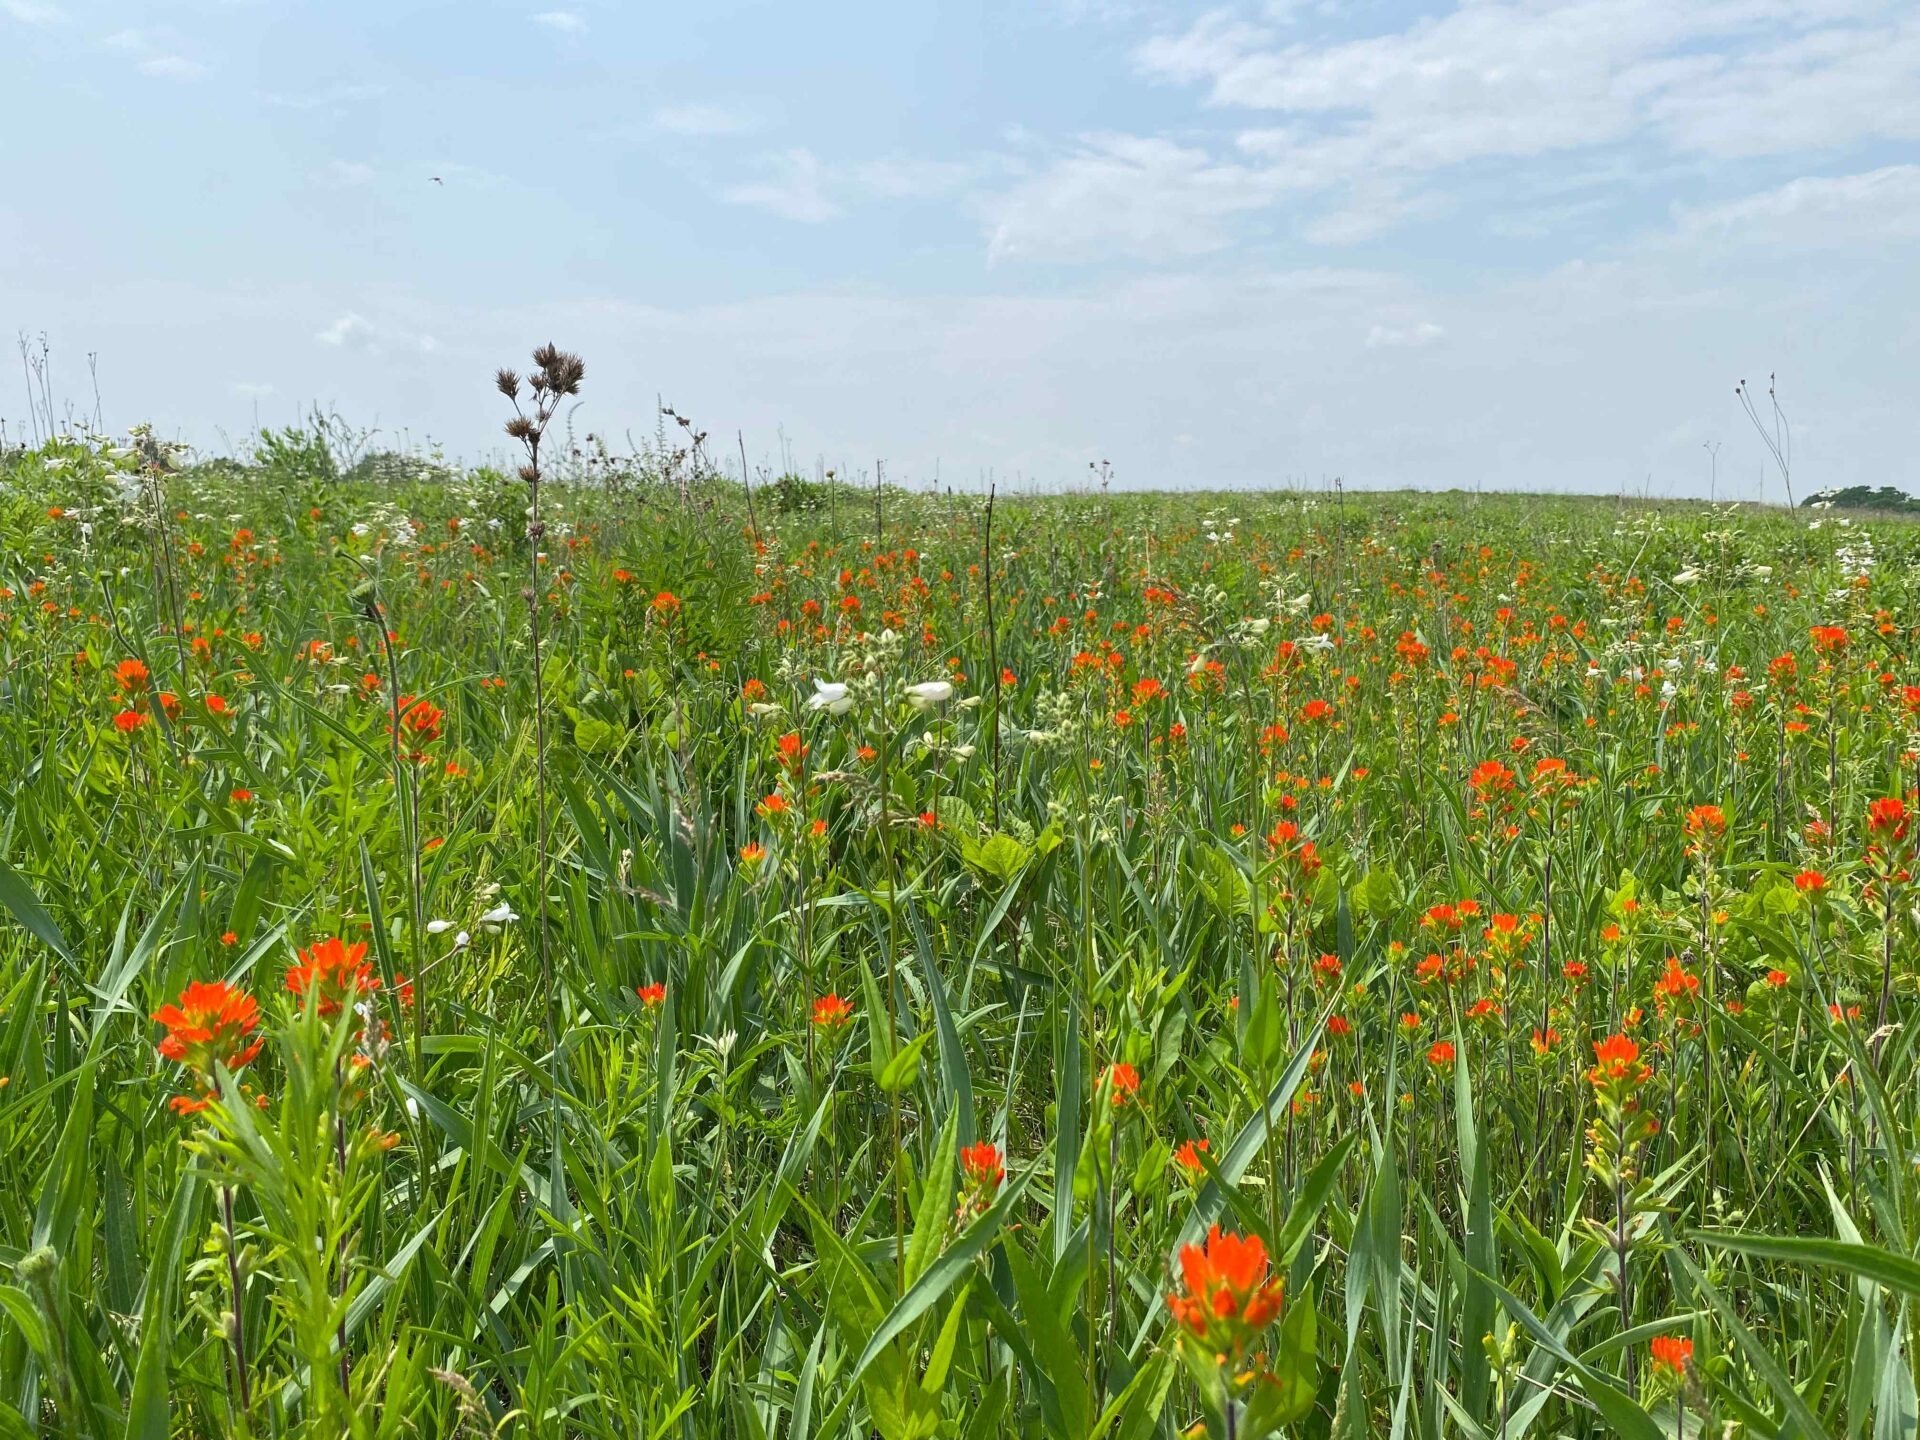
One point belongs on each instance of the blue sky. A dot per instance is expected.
(1501, 243)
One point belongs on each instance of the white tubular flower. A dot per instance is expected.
(929, 693)
(1687, 577)
(830, 696)
(439, 927)
(501, 914)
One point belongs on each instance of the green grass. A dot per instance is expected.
(1242, 749)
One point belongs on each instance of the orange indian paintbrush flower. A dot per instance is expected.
(333, 973)
(208, 1026)
(1228, 1297)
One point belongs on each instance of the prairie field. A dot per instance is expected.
(606, 951)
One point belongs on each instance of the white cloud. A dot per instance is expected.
(1131, 195)
(332, 97)
(703, 120)
(151, 58)
(1876, 207)
(1384, 118)
(565, 21)
(171, 67)
(792, 190)
(353, 331)
(30, 12)
(1403, 337)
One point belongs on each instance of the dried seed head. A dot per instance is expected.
(509, 384)
(520, 428)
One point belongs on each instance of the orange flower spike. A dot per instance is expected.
(332, 974)
(1228, 1296)
(207, 1026)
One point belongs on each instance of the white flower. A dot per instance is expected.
(830, 696)
(929, 692)
(461, 940)
(760, 709)
(439, 927)
(1319, 641)
(1687, 577)
(501, 914)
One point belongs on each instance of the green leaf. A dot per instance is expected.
(148, 1407)
(938, 1277)
(18, 897)
(903, 1068)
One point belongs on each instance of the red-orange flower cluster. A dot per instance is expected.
(208, 1026)
(1228, 1298)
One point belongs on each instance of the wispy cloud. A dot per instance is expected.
(793, 189)
(565, 21)
(1382, 125)
(152, 58)
(703, 120)
(331, 97)
(31, 12)
(1404, 337)
(353, 331)
(1132, 195)
(1819, 212)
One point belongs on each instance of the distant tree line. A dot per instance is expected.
(1863, 497)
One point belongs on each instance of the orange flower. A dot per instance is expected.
(830, 1012)
(983, 1168)
(332, 974)
(1228, 1298)
(1706, 820)
(752, 853)
(1441, 1054)
(128, 721)
(1676, 984)
(1671, 1354)
(1618, 1059)
(131, 676)
(1492, 778)
(206, 1027)
(1187, 1157)
(1123, 1083)
(1887, 817)
(419, 719)
(652, 996)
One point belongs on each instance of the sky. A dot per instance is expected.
(1496, 244)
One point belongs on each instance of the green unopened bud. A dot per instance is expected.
(38, 1265)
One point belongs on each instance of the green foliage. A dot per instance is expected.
(871, 1059)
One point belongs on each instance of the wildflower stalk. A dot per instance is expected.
(893, 961)
(556, 375)
(237, 1323)
(407, 784)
